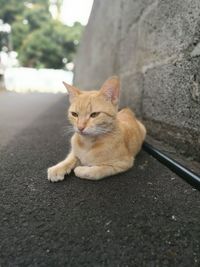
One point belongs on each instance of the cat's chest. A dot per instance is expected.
(83, 151)
(97, 152)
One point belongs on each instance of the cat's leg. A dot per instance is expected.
(57, 172)
(102, 171)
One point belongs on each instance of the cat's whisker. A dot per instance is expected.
(100, 131)
(66, 130)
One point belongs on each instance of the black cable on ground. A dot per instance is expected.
(189, 176)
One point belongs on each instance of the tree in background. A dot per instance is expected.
(40, 40)
(10, 9)
(51, 46)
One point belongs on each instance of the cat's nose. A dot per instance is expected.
(81, 128)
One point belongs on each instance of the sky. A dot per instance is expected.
(76, 10)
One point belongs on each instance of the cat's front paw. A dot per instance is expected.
(55, 174)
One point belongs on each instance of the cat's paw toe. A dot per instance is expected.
(53, 175)
(83, 172)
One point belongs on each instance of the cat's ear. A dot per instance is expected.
(110, 89)
(72, 91)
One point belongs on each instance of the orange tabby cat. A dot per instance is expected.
(105, 141)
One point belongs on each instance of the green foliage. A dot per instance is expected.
(19, 33)
(44, 3)
(9, 9)
(4, 39)
(36, 16)
(47, 46)
(39, 40)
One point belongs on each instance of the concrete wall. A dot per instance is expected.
(154, 46)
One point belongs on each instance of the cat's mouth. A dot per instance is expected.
(82, 132)
(87, 133)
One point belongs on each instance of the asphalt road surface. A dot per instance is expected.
(145, 217)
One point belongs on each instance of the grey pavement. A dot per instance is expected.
(145, 217)
(17, 111)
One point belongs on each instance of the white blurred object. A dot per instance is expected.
(7, 60)
(24, 80)
(4, 27)
(70, 66)
(76, 10)
(3, 61)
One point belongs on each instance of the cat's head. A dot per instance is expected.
(94, 113)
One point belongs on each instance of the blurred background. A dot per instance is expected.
(38, 42)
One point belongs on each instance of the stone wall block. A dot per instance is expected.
(171, 94)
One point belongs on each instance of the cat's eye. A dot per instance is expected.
(74, 114)
(94, 114)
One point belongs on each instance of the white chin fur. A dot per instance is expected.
(91, 132)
